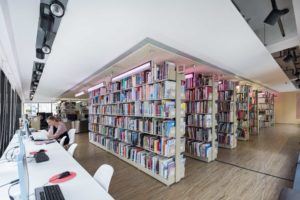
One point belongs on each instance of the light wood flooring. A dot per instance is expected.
(273, 152)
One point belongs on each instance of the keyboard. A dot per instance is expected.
(41, 157)
(51, 192)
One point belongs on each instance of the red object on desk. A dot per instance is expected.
(35, 152)
(55, 179)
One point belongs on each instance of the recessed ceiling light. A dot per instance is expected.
(46, 49)
(57, 9)
(79, 94)
(96, 87)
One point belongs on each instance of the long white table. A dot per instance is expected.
(83, 186)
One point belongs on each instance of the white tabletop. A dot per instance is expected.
(83, 186)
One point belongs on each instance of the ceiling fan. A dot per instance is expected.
(275, 16)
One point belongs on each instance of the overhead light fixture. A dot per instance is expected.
(79, 94)
(40, 54)
(187, 76)
(46, 49)
(58, 102)
(78, 101)
(57, 9)
(220, 82)
(237, 87)
(136, 70)
(96, 87)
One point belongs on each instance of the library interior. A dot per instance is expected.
(139, 99)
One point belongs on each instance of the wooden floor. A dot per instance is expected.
(273, 152)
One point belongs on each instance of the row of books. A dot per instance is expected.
(199, 149)
(164, 108)
(242, 115)
(199, 107)
(194, 133)
(222, 117)
(157, 91)
(243, 89)
(265, 117)
(152, 126)
(242, 106)
(161, 145)
(227, 128)
(198, 80)
(226, 85)
(202, 93)
(204, 121)
(165, 167)
(226, 139)
(226, 95)
(242, 98)
(225, 107)
(98, 92)
(253, 114)
(265, 107)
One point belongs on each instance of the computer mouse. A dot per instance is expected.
(63, 175)
(41, 150)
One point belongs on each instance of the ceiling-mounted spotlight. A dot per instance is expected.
(57, 9)
(40, 54)
(46, 49)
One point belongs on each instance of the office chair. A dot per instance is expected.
(71, 134)
(62, 141)
(72, 149)
(103, 176)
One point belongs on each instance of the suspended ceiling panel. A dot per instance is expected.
(95, 32)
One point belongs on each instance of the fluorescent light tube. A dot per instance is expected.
(187, 76)
(133, 71)
(96, 87)
(79, 94)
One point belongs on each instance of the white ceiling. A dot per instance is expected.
(95, 32)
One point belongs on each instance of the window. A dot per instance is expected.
(30, 109)
(54, 108)
(45, 107)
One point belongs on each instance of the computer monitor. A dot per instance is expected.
(23, 173)
(26, 128)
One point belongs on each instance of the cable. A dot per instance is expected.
(11, 155)
(245, 168)
(8, 191)
(12, 182)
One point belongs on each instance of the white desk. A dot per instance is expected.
(82, 187)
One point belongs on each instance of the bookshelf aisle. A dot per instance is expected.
(242, 112)
(253, 113)
(200, 133)
(266, 109)
(226, 118)
(139, 119)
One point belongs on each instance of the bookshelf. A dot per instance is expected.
(226, 118)
(253, 113)
(242, 112)
(200, 130)
(266, 109)
(140, 119)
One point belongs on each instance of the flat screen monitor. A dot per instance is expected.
(23, 173)
(26, 128)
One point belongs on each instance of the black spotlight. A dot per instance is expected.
(40, 54)
(57, 9)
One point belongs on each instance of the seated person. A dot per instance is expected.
(57, 130)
